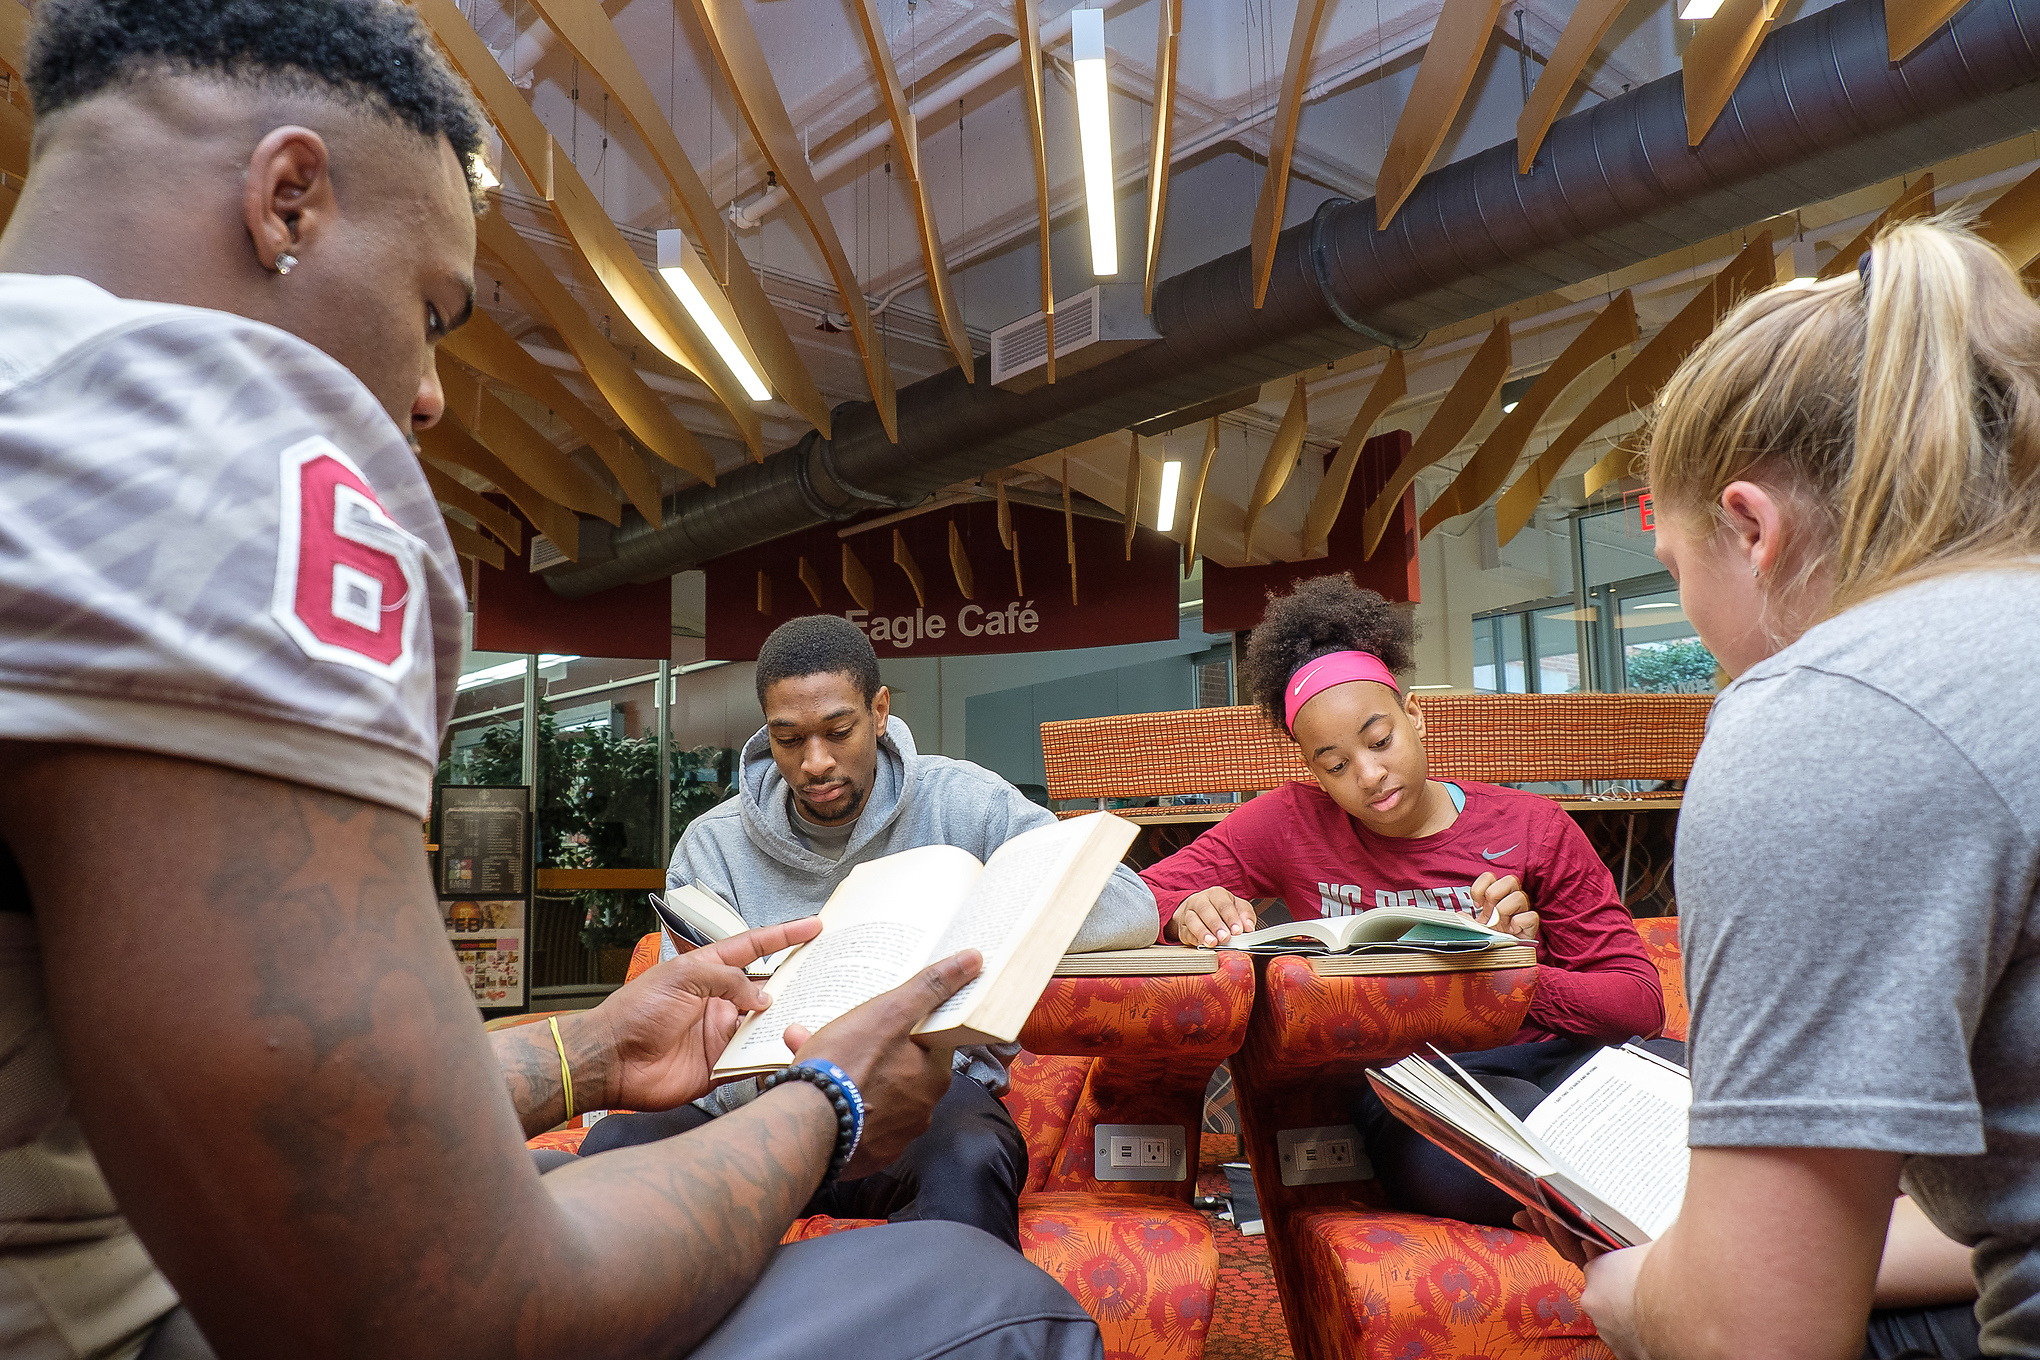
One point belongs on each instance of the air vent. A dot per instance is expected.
(1090, 328)
(545, 554)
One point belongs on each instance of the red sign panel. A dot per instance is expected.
(1646, 510)
(1028, 611)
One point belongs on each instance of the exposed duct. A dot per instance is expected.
(1822, 112)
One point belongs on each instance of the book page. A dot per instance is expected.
(877, 931)
(1619, 1124)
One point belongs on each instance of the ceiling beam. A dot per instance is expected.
(1027, 22)
(525, 451)
(1268, 209)
(1450, 63)
(1464, 403)
(749, 76)
(449, 443)
(1717, 58)
(752, 321)
(613, 376)
(1613, 329)
(907, 151)
(1168, 27)
(1584, 29)
(1389, 387)
(638, 293)
(484, 345)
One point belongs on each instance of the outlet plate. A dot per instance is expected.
(1322, 1156)
(1139, 1152)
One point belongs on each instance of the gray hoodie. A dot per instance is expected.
(746, 852)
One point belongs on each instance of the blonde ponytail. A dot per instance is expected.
(1898, 406)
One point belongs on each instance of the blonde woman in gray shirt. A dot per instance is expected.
(1848, 482)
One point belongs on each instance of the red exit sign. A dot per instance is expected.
(1646, 511)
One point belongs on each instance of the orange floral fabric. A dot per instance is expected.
(1041, 1100)
(1661, 943)
(1144, 1269)
(1383, 1286)
(1185, 1019)
(1313, 1025)
(821, 1225)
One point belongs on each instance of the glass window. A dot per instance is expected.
(1486, 678)
(1615, 546)
(1556, 633)
(1660, 652)
(1515, 674)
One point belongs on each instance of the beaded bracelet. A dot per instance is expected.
(833, 1082)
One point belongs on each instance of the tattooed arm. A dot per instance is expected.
(276, 1061)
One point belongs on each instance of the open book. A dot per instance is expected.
(1157, 960)
(695, 915)
(1378, 930)
(892, 917)
(1604, 1154)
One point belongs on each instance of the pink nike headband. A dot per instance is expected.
(1338, 668)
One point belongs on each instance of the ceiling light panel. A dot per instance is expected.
(1094, 131)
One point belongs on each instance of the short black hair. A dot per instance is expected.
(1319, 616)
(373, 55)
(818, 644)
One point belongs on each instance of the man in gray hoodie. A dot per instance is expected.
(833, 780)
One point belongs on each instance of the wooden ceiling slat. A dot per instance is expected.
(449, 442)
(1069, 530)
(1027, 25)
(959, 564)
(744, 66)
(907, 154)
(17, 130)
(468, 543)
(2012, 222)
(1161, 139)
(1915, 200)
(1131, 512)
(1613, 329)
(1718, 56)
(1283, 451)
(628, 395)
(857, 580)
(450, 490)
(1908, 23)
(733, 285)
(1458, 42)
(903, 558)
(1268, 209)
(14, 34)
(1464, 403)
(523, 449)
(1390, 385)
(484, 345)
(1197, 492)
(638, 293)
(1638, 382)
(1588, 24)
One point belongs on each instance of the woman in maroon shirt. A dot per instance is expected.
(1373, 829)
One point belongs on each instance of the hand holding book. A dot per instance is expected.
(1501, 904)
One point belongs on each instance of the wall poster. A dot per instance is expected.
(485, 876)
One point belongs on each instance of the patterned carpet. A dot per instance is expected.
(1246, 1322)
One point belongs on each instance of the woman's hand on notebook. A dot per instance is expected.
(1209, 918)
(1501, 904)
(667, 1026)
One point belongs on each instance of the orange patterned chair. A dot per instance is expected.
(1359, 1281)
(1106, 1050)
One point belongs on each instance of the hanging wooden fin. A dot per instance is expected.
(1718, 57)
(1019, 581)
(1269, 208)
(1915, 200)
(470, 544)
(1283, 451)
(903, 558)
(1069, 529)
(1389, 388)
(1027, 26)
(1161, 139)
(857, 580)
(1463, 404)
(812, 579)
(1197, 493)
(1908, 23)
(1588, 23)
(1451, 59)
(1132, 510)
(483, 511)
(959, 564)
(764, 593)
(1005, 514)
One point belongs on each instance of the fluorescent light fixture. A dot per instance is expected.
(673, 249)
(1696, 10)
(1094, 130)
(1434, 687)
(508, 670)
(1172, 478)
(1662, 604)
(1509, 406)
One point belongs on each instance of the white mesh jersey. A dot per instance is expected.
(214, 544)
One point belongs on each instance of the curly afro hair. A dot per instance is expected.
(372, 55)
(816, 644)
(1322, 615)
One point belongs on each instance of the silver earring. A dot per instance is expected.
(285, 263)
(1756, 572)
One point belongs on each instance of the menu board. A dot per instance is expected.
(488, 941)
(484, 841)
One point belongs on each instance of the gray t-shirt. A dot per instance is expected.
(1858, 862)
(827, 841)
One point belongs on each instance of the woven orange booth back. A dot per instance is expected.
(1493, 738)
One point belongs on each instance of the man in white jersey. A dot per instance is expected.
(238, 1066)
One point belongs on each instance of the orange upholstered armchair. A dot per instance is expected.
(1106, 1050)
(1359, 1281)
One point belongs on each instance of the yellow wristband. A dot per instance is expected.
(566, 1073)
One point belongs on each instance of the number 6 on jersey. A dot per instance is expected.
(348, 580)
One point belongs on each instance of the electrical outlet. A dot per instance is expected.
(1322, 1155)
(1139, 1152)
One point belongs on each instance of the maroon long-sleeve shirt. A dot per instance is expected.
(1594, 980)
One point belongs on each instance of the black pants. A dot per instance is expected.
(967, 1168)
(1422, 1178)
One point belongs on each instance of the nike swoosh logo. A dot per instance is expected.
(1497, 854)
(1302, 679)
